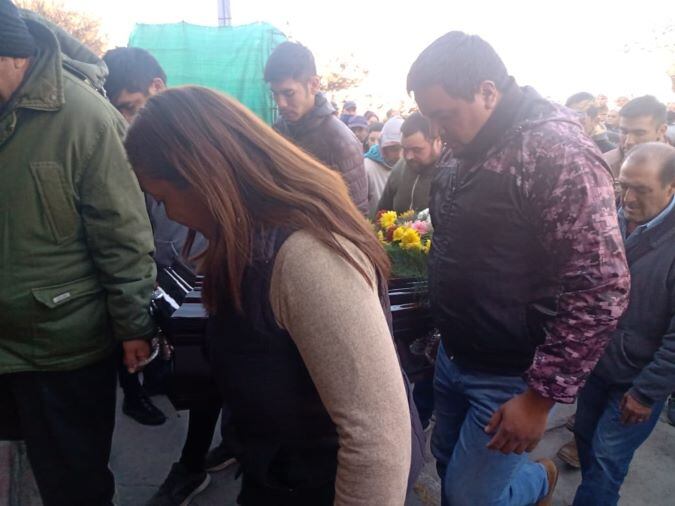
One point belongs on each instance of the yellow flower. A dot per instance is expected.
(380, 236)
(399, 233)
(408, 215)
(388, 219)
(427, 246)
(410, 239)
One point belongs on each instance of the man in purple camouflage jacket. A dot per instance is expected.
(527, 273)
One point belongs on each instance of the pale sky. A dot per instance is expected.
(559, 47)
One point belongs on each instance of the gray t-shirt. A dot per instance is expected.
(671, 134)
(170, 236)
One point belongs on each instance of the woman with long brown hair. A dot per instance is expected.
(298, 339)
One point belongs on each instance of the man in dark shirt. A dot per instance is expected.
(307, 118)
(527, 273)
(624, 396)
(135, 75)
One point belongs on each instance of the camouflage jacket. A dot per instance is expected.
(527, 271)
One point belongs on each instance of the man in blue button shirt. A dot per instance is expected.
(644, 191)
(624, 396)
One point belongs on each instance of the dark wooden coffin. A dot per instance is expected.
(411, 320)
(178, 311)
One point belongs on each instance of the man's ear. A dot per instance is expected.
(314, 85)
(489, 93)
(662, 132)
(156, 86)
(21, 63)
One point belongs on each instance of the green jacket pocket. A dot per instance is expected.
(58, 199)
(58, 295)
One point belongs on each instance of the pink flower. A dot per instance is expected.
(422, 227)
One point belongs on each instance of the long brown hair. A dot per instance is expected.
(248, 176)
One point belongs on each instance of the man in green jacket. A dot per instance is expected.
(76, 267)
(410, 180)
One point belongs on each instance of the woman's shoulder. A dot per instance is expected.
(304, 252)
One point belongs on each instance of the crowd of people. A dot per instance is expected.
(551, 274)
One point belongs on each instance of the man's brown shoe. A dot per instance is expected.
(569, 454)
(552, 474)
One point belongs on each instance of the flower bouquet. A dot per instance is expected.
(407, 239)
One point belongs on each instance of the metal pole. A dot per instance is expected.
(224, 13)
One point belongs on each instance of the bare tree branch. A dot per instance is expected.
(82, 26)
(342, 74)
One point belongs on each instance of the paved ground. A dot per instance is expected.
(142, 457)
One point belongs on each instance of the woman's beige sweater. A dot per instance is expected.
(335, 319)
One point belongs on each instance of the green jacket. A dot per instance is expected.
(407, 189)
(76, 267)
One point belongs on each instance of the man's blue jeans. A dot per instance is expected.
(472, 475)
(423, 395)
(606, 446)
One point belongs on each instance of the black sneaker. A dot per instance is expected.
(219, 458)
(152, 389)
(141, 409)
(180, 487)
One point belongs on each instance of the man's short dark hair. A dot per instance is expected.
(459, 63)
(582, 96)
(416, 123)
(645, 106)
(592, 111)
(661, 153)
(668, 170)
(131, 69)
(290, 60)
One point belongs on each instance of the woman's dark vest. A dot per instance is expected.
(288, 437)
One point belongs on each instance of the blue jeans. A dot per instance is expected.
(423, 395)
(471, 474)
(606, 446)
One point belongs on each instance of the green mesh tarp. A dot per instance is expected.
(230, 59)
